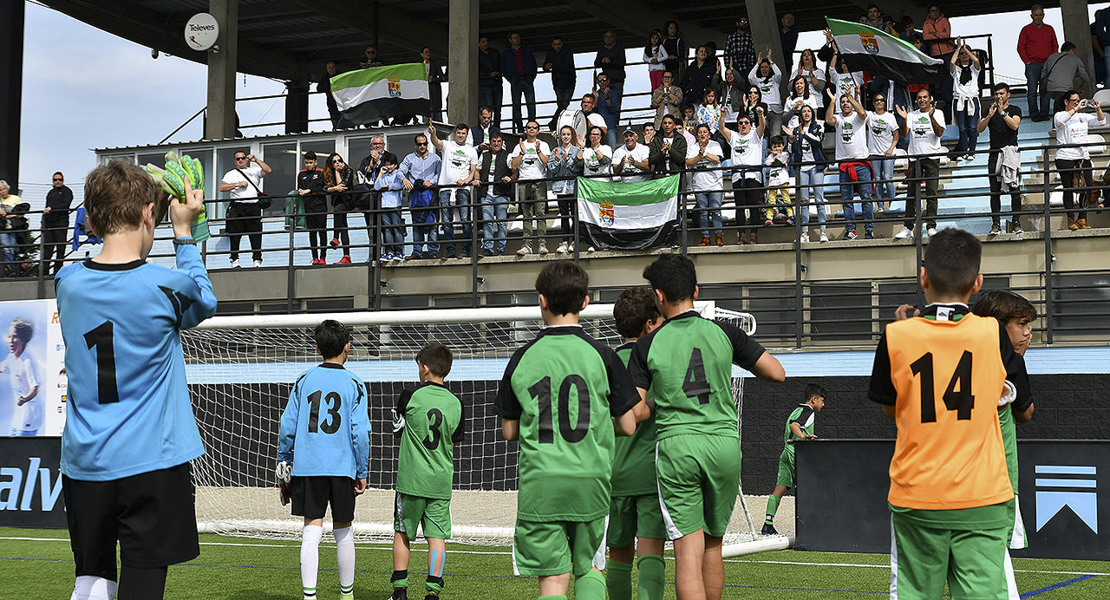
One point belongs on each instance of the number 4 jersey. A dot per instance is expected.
(943, 373)
(434, 422)
(563, 387)
(128, 410)
(325, 429)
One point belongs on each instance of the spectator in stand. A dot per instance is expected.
(389, 184)
(778, 176)
(667, 154)
(371, 61)
(701, 75)
(458, 167)
(489, 78)
(704, 157)
(610, 59)
(677, 52)
(655, 55)
(1102, 30)
(852, 153)
(766, 76)
(560, 63)
(841, 78)
(730, 93)
(630, 161)
(55, 221)
(739, 48)
(908, 28)
(339, 181)
(965, 95)
(806, 141)
(436, 77)
(923, 127)
(420, 173)
(814, 75)
(481, 134)
(799, 97)
(753, 103)
(13, 228)
(1098, 50)
(889, 26)
(494, 185)
(565, 164)
(747, 173)
(1059, 75)
(1073, 158)
(667, 98)
(708, 112)
(788, 36)
(518, 65)
(937, 32)
(529, 162)
(1004, 162)
(589, 109)
(1036, 42)
(597, 156)
(369, 168)
(310, 187)
(874, 17)
(882, 129)
(608, 106)
(324, 87)
(649, 133)
(244, 215)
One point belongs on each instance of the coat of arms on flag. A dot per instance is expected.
(606, 215)
(394, 87)
(870, 44)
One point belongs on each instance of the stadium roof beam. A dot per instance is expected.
(398, 28)
(638, 20)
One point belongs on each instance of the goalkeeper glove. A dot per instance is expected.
(398, 421)
(1009, 394)
(284, 473)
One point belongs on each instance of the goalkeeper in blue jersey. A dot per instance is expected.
(130, 431)
(324, 453)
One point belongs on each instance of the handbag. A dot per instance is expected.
(264, 200)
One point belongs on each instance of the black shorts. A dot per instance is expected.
(152, 515)
(311, 496)
(244, 217)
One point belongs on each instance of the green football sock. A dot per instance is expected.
(400, 579)
(772, 507)
(652, 577)
(618, 580)
(590, 586)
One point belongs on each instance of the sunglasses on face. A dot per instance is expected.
(421, 143)
(240, 158)
(531, 127)
(337, 161)
(57, 179)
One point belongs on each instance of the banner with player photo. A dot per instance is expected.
(32, 370)
(628, 216)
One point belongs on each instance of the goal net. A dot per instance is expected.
(241, 370)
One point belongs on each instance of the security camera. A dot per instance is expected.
(154, 53)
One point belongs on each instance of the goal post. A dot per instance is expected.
(241, 370)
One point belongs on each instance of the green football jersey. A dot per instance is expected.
(804, 416)
(634, 455)
(1008, 423)
(434, 423)
(687, 363)
(563, 387)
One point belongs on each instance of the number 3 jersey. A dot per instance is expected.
(943, 373)
(687, 363)
(325, 429)
(128, 410)
(434, 422)
(563, 387)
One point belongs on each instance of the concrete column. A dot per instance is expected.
(222, 64)
(1077, 30)
(764, 25)
(462, 62)
(11, 73)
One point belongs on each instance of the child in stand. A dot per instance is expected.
(390, 183)
(778, 179)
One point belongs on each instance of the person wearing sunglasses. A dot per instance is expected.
(55, 221)
(244, 214)
(529, 163)
(740, 48)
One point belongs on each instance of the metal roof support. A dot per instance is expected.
(222, 59)
(1077, 29)
(462, 62)
(11, 73)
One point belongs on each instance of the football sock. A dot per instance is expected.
(652, 577)
(434, 585)
(91, 587)
(142, 584)
(590, 586)
(310, 558)
(345, 556)
(772, 507)
(400, 579)
(618, 580)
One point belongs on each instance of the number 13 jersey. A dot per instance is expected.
(943, 373)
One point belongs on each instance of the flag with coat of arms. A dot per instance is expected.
(864, 48)
(628, 216)
(369, 95)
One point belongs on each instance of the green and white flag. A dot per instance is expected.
(628, 216)
(369, 95)
(865, 48)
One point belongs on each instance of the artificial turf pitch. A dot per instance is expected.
(37, 564)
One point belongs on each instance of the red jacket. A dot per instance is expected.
(1036, 44)
(938, 29)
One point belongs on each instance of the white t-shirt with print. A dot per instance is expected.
(631, 173)
(457, 161)
(531, 167)
(851, 137)
(704, 179)
(923, 140)
(881, 132)
(747, 151)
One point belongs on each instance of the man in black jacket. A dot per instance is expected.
(55, 222)
(560, 63)
(494, 183)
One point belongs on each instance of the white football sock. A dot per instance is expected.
(345, 555)
(310, 557)
(90, 587)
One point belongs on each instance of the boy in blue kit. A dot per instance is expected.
(130, 431)
(429, 420)
(390, 183)
(324, 443)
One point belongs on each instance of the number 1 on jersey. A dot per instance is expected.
(101, 338)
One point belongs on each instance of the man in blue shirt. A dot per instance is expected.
(421, 171)
(130, 431)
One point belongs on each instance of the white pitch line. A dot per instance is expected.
(813, 564)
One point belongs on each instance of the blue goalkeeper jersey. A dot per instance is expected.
(128, 410)
(325, 429)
